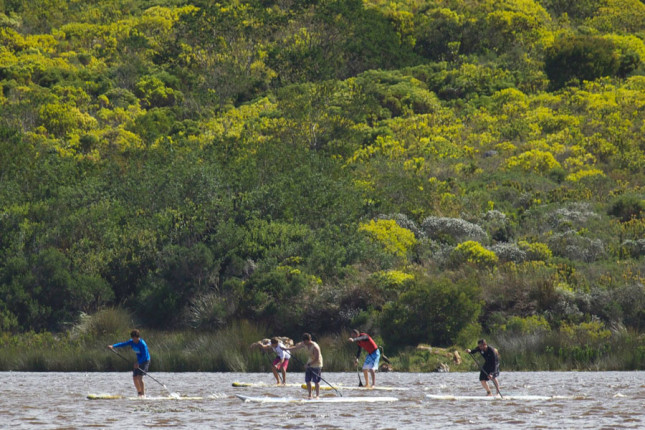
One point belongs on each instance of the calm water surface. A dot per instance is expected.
(610, 400)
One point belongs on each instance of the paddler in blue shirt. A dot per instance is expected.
(140, 347)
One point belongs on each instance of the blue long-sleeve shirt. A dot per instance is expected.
(140, 348)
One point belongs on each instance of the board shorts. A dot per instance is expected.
(371, 361)
(284, 366)
(142, 369)
(484, 377)
(313, 374)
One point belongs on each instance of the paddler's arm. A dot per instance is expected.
(298, 345)
(121, 344)
(260, 345)
(356, 339)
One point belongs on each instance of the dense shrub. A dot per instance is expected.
(509, 252)
(497, 225)
(429, 311)
(473, 252)
(183, 273)
(396, 240)
(573, 216)
(535, 251)
(452, 230)
(634, 248)
(581, 58)
(404, 222)
(627, 207)
(533, 324)
(572, 245)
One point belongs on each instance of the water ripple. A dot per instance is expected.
(578, 400)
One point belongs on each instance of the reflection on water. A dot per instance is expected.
(582, 400)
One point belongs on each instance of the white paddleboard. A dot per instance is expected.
(352, 387)
(505, 397)
(339, 387)
(104, 396)
(265, 399)
(261, 384)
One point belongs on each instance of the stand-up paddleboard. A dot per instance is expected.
(261, 384)
(506, 397)
(265, 399)
(322, 387)
(353, 387)
(104, 396)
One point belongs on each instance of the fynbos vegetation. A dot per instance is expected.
(431, 171)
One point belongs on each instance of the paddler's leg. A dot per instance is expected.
(373, 373)
(317, 374)
(138, 384)
(367, 381)
(275, 374)
(308, 377)
(485, 385)
(283, 369)
(137, 378)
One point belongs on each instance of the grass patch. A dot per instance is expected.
(84, 348)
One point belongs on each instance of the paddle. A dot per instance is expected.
(318, 375)
(360, 381)
(387, 360)
(147, 374)
(488, 375)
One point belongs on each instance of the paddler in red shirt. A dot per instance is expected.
(364, 341)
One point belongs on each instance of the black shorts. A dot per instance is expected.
(313, 374)
(484, 377)
(142, 369)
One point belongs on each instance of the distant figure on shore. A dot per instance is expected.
(490, 369)
(281, 361)
(140, 347)
(365, 341)
(313, 367)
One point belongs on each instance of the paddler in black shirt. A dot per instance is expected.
(490, 369)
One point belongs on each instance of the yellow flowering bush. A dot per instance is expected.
(474, 252)
(396, 240)
(534, 160)
(535, 251)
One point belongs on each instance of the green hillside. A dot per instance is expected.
(431, 171)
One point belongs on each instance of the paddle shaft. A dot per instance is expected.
(318, 375)
(487, 374)
(360, 381)
(141, 370)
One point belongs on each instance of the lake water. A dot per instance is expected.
(586, 400)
